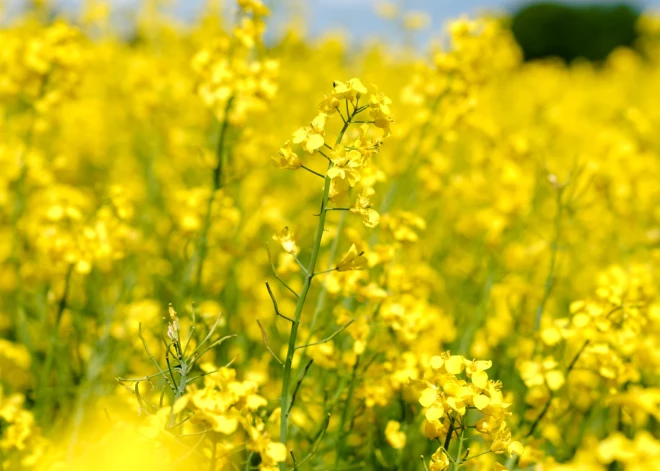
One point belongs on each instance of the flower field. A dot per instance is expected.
(220, 252)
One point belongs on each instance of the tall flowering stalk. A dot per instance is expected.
(232, 83)
(345, 163)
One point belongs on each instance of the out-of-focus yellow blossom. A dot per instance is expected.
(385, 9)
(362, 206)
(416, 20)
(352, 260)
(285, 238)
(21, 444)
(394, 436)
(231, 82)
(287, 159)
(43, 68)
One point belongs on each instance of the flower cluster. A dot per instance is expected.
(448, 399)
(41, 69)
(21, 444)
(231, 82)
(348, 158)
(226, 405)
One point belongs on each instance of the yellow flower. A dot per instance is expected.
(515, 448)
(346, 165)
(352, 260)
(439, 461)
(536, 373)
(416, 20)
(362, 206)
(287, 159)
(276, 452)
(311, 137)
(475, 371)
(455, 364)
(329, 104)
(349, 90)
(380, 111)
(285, 238)
(394, 436)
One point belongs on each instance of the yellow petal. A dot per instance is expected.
(516, 448)
(581, 320)
(551, 335)
(395, 438)
(480, 401)
(315, 141)
(428, 397)
(224, 425)
(480, 379)
(436, 362)
(335, 172)
(483, 364)
(318, 123)
(554, 379)
(435, 412)
(455, 364)
(357, 86)
(371, 218)
(276, 451)
(299, 136)
(254, 401)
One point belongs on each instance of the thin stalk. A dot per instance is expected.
(550, 279)
(50, 355)
(324, 290)
(265, 339)
(448, 437)
(295, 390)
(571, 365)
(213, 451)
(312, 171)
(546, 407)
(341, 439)
(389, 196)
(475, 456)
(217, 184)
(461, 438)
(293, 335)
(330, 337)
(320, 301)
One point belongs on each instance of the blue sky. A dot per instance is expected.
(358, 17)
(355, 17)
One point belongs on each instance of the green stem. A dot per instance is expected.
(341, 439)
(571, 365)
(448, 437)
(50, 355)
(293, 335)
(389, 196)
(475, 456)
(320, 301)
(550, 279)
(460, 442)
(217, 184)
(213, 451)
(179, 391)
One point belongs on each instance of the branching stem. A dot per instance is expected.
(293, 335)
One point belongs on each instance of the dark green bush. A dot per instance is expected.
(589, 31)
